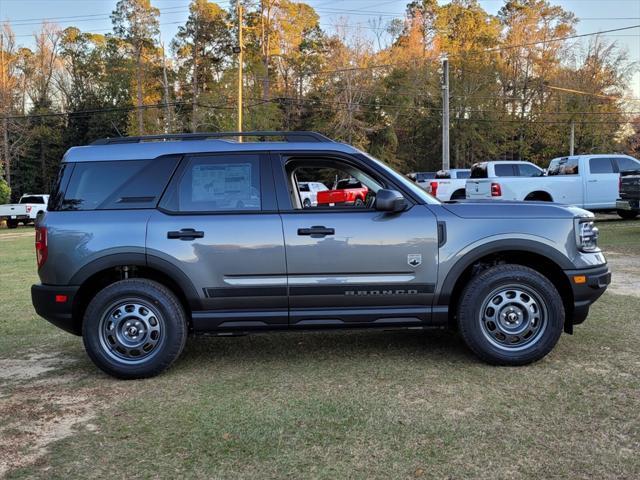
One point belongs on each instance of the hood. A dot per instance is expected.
(513, 209)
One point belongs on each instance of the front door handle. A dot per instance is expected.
(185, 234)
(316, 231)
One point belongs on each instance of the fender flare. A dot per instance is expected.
(143, 260)
(522, 245)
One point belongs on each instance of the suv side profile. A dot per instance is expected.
(150, 239)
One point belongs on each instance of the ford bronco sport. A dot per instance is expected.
(149, 239)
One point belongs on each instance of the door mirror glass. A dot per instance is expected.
(390, 201)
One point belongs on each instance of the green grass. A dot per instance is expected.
(334, 405)
(620, 236)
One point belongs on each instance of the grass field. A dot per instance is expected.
(323, 405)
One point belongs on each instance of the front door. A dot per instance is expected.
(348, 264)
(217, 224)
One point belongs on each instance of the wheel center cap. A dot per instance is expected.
(132, 331)
(512, 317)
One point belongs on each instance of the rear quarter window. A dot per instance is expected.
(117, 185)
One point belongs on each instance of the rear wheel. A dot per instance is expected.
(306, 203)
(510, 315)
(134, 328)
(12, 223)
(628, 214)
(458, 195)
(359, 202)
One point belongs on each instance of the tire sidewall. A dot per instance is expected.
(627, 214)
(173, 327)
(474, 297)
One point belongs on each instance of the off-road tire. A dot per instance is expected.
(167, 312)
(479, 292)
(628, 214)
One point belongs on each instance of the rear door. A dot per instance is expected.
(602, 183)
(217, 223)
(350, 265)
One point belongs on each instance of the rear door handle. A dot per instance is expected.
(316, 231)
(185, 234)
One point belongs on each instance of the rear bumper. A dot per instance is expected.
(58, 313)
(627, 205)
(584, 294)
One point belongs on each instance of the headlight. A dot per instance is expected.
(586, 234)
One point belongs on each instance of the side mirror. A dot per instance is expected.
(390, 201)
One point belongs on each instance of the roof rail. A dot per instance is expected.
(297, 136)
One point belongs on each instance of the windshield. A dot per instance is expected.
(405, 182)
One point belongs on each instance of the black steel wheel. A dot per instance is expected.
(134, 328)
(510, 315)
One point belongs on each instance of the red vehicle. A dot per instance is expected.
(345, 192)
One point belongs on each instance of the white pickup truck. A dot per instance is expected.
(587, 181)
(25, 211)
(449, 184)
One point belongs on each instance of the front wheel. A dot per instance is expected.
(628, 214)
(510, 315)
(134, 328)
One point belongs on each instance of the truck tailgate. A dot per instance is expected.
(478, 188)
(630, 187)
(13, 209)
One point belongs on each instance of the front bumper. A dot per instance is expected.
(584, 294)
(627, 205)
(59, 313)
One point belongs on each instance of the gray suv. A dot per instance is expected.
(149, 239)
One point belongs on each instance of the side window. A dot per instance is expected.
(563, 166)
(216, 183)
(504, 170)
(527, 170)
(340, 185)
(601, 165)
(117, 185)
(627, 164)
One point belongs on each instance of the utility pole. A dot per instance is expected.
(239, 49)
(572, 138)
(5, 111)
(445, 112)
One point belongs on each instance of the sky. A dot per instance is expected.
(93, 15)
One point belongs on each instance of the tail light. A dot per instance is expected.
(496, 190)
(41, 245)
(29, 207)
(433, 188)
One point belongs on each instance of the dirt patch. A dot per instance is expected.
(30, 367)
(12, 236)
(35, 412)
(625, 278)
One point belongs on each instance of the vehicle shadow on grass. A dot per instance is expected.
(300, 348)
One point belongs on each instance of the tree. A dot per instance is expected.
(202, 46)
(136, 22)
